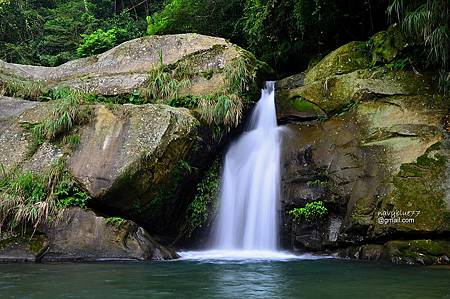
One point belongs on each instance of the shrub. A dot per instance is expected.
(115, 221)
(426, 24)
(312, 211)
(99, 41)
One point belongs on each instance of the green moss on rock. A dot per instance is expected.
(420, 187)
(387, 45)
(346, 59)
(302, 105)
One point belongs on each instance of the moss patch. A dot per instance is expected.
(420, 187)
(417, 251)
(346, 59)
(302, 105)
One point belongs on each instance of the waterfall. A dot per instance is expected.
(249, 196)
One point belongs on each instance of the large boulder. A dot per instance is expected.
(383, 47)
(80, 235)
(131, 159)
(126, 67)
(370, 142)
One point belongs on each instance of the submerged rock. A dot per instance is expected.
(410, 252)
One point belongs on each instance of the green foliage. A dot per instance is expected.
(49, 32)
(69, 194)
(27, 198)
(284, 33)
(312, 211)
(226, 107)
(426, 24)
(115, 221)
(205, 201)
(399, 64)
(217, 18)
(166, 192)
(99, 41)
(72, 140)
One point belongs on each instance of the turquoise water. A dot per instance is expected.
(195, 279)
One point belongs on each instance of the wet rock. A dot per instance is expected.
(379, 146)
(79, 235)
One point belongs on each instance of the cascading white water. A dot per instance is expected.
(247, 222)
(249, 196)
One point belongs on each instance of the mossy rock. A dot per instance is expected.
(382, 47)
(346, 59)
(23, 247)
(425, 252)
(335, 92)
(387, 45)
(421, 187)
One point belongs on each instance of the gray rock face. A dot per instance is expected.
(79, 235)
(14, 143)
(126, 159)
(376, 145)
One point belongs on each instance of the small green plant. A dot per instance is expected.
(72, 140)
(316, 183)
(136, 98)
(205, 200)
(312, 211)
(115, 221)
(399, 64)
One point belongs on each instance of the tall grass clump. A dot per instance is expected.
(28, 199)
(226, 107)
(67, 113)
(427, 25)
(27, 90)
(165, 81)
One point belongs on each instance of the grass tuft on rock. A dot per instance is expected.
(68, 113)
(30, 199)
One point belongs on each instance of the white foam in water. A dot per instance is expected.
(244, 255)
